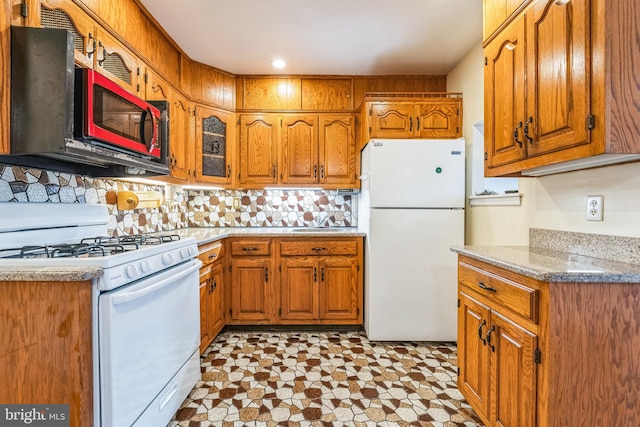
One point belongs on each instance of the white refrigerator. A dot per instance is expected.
(411, 206)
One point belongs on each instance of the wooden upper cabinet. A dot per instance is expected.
(155, 88)
(496, 13)
(504, 96)
(538, 89)
(427, 118)
(259, 135)
(182, 135)
(272, 93)
(94, 47)
(215, 136)
(338, 154)
(299, 149)
(558, 75)
(326, 94)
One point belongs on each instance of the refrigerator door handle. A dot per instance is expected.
(364, 177)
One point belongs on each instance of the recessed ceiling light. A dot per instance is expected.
(279, 63)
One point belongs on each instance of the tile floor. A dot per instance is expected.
(324, 379)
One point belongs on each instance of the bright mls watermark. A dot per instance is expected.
(34, 415)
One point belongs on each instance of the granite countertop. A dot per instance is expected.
(29, 273)
(552, 265)
(206, 235)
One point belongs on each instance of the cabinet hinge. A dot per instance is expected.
(370, 111)
(229, 269)
(280, 268)
(279, 312)
(458, 302)
(457, 112)
(537, 356)
(486, 157)
(369, 130)
(24, 10)
(138, 87)
(229, 312)
(458, 371)
(357, 121)
(486, 61)
(358, 311)
(238, 122)
(146, 77)
(358, 267)
(591, 121)
(457, 129)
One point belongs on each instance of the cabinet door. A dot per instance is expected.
(504, 97)
(299, 289)
(299, 150)
(205, 291)
(473, 353)
(558, 75)
(249, 290)
(155, 87)
(214, 131)
(258, 149)
(439, 119)
(116, 62)
(182, 134)
(337, 150)
(65, 14)
(392, 120)
(216, 299)
(513, 374)
(339, 296)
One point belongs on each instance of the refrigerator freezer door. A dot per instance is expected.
(411, 277)
(415, 173)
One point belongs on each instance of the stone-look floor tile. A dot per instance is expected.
(324, 379)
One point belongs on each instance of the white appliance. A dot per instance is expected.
(411, 206)
(146, 324)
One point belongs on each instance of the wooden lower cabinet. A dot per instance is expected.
(46, 355)
(212, 318)
(533, 353)
(295, 281)
(320, 281)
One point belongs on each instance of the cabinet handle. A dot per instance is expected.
(273, 170)
(410, 124)
(492, 330)
(526, 130)
(315, 274)
(418, 124)
(315, 171)
(486, 288)
(484, 322)
(318, 249)
(266, 274)
(228, 171)
(214, 285)
(103, 56)
(249, 249)
(91, 43)
(515, 134)
(322, 274)
(213, 255)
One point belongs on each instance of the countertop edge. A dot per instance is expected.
(50, 274)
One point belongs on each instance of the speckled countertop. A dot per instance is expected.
(552, 265)
(11, 270)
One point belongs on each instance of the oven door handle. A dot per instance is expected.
(132, 296)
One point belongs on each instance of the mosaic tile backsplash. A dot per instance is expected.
(188, 208)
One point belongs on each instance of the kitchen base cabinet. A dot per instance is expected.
(49, 322)
(211, 292)
(251, 285)
(534, 353)
(320, 281)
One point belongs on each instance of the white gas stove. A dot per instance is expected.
(146, 325)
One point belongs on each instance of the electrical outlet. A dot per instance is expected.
(594, 208)
(236, 203)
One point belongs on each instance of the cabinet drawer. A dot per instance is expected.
(515, 296)
(210, 252)
(251, 247)
(319, 247)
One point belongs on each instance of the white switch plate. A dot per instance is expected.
(594, 208)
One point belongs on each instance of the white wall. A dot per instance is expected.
(555, 202)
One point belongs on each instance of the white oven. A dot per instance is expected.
(146, 323)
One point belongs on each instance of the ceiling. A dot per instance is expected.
(338, 37)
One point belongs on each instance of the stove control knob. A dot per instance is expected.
(184, 253)
(145, 266)
(131, 272)
(192, 251)
(167, 259)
